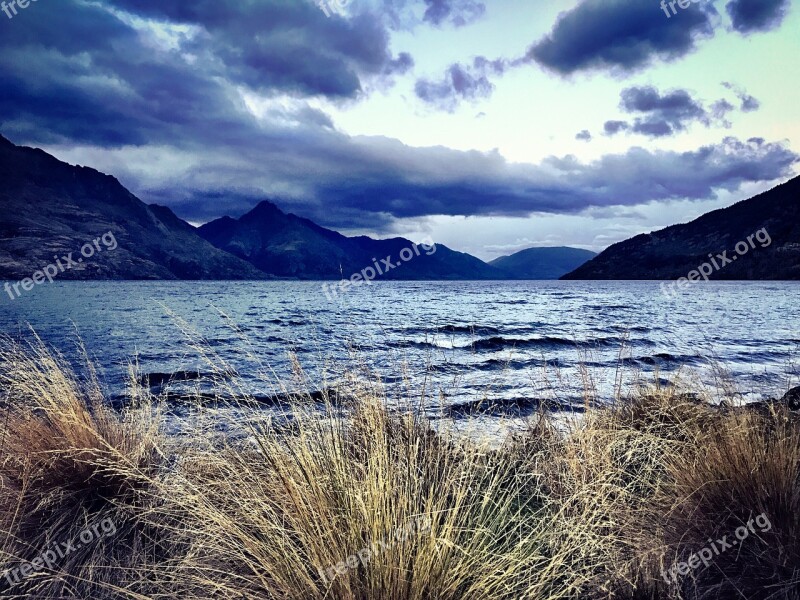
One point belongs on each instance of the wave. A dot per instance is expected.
(511, 407)
(661, 358)
(157, 379)
(498, 364)
(546, 342)
(453, 329)
(496, 343)
(629, 329)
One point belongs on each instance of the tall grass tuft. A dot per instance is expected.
(68, 462)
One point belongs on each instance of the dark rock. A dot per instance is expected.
(792, 399)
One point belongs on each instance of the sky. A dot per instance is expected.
(490, 126)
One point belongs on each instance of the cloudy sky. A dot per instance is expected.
(492, 125)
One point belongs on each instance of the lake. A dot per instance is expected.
(463, 340)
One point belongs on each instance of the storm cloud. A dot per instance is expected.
(756, 15)
(621, 35)
(210, 107)
(372, 181)
(91, 75)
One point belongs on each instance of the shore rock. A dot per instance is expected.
(792, 399)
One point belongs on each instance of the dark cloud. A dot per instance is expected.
(456, 12)
(665, 114)
(485, 184)
(621, 35)
(653, 127)
(84, 79)
(460, 83)
(748, 102)
(370, 182)
(88, 75)
(748, 16)
(662, 115)
(584, 136)
(276, 45)
(614, 127)
(658, 114)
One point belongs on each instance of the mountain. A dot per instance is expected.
(757, 238)
(51, 210)
(542, 263)
(285, 245)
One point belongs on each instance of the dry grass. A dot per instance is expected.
(599, 512)
(68, 462)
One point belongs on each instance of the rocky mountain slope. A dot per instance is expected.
(757, 238)
(286, 245)
(50, 210)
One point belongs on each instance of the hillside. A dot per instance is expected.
(285, 245)
(771, 220)
(51, 209)
(542, 263)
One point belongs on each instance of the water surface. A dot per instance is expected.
(465, 340)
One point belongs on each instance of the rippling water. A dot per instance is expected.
(469, 339)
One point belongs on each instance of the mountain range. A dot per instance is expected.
(51, 210)
(286, 245)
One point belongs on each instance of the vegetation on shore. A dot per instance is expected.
(313, 510)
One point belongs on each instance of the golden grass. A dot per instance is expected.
(380, 505)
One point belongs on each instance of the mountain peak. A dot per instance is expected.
(265, 206)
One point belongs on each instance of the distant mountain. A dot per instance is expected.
(542, 263)
(770, 220)
(285, 245)
(49, 209)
